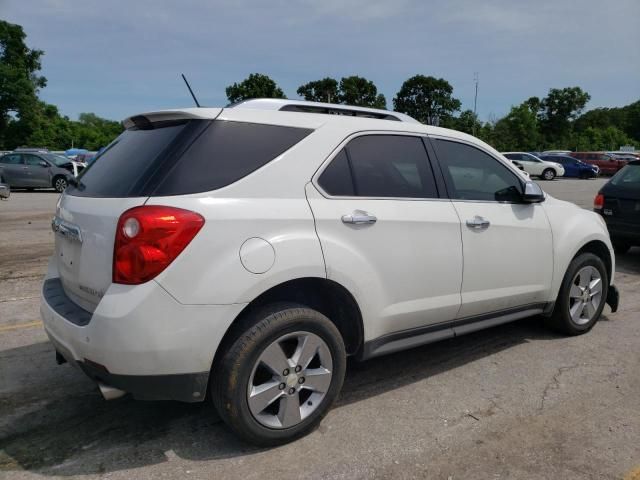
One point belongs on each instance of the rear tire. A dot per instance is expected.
(266, 385)
(582, 296)
(549, 174)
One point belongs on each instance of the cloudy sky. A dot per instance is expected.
(119, 57)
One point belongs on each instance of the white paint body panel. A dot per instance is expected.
(405, 270)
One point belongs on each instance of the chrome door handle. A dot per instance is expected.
(478, 223)
(359, 218)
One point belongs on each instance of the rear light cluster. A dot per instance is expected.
(148, 239)
(598, 202)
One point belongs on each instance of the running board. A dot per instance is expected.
(415, 337)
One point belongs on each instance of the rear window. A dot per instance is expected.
(628, 176)
(182, 158)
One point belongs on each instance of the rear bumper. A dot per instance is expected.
(140, 340)
(623, 230)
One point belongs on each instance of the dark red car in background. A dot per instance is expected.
(607, 163)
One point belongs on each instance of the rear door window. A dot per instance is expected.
(381, 166)
(11, 159)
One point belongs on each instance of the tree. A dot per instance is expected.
(255, 85)
(466, 122)
(19, 85)
(360, 92)
(557, 111)
(518, 130)
(325, 90)
(427, 99)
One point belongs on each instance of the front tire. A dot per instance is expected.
(277, 380)
(549, 174)
(582, 296)
(60, 184)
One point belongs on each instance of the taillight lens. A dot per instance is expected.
(148, 239)
(598, 202)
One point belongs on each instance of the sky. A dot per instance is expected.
(117, 57)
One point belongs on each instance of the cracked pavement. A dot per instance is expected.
(515, 401)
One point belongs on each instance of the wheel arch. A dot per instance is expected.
(600, 249)
(326, 296)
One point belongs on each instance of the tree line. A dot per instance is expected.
(554, 121)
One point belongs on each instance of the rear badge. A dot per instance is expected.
(607, 211)
(91, 291)
(66, 229)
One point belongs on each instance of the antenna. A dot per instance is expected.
(190, 91)
(475, 101)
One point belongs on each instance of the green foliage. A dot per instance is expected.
(19, 83)
(255, 85)
(557, 111)
(466, 122)
(360, 92)
(517, 131)
(325, 90)
(427, 99)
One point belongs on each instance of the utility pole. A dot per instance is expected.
(475, 102)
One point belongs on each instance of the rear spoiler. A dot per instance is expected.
(145, 119)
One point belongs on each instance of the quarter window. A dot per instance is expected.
(393, 166)
(472, 174)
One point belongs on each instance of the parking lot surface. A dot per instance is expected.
(514, 401)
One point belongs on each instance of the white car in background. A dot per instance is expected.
(241, 254)
(535, 166)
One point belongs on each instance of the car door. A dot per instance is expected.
(385, 233)
(38, 170)
(13, 170)
(530, 165)
(507, 244)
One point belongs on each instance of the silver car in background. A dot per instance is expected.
(34, 169)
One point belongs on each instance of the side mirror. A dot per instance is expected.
(532, 193)
(42, 163)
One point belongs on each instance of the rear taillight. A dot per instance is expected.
(598, 202)
(148, 239)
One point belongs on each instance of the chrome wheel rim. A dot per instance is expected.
(549, 175)
(61, 184)
(585, 295)
(290, 380)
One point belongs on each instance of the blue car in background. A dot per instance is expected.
(572, 166)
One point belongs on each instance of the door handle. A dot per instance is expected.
(478, 223)
(359, 217)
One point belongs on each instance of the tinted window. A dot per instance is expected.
(125, 163)
(225, 153)
(513, 156)
(629, 176)
(11, 159)
(182, 158)
(390, 166)
(336, 178)
(32, 160)
(472, 174)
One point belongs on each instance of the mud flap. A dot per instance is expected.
(613, 297)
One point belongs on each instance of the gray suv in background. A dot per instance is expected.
(36, 170)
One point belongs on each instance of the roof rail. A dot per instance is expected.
(325, 108)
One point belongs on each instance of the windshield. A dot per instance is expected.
(57, 160)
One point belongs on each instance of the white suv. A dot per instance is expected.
(535, 166)
(243, 253)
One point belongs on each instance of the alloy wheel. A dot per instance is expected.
(290, 380)
(585, 295)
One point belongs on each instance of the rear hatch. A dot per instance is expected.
(122, 177)
(622, 195)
